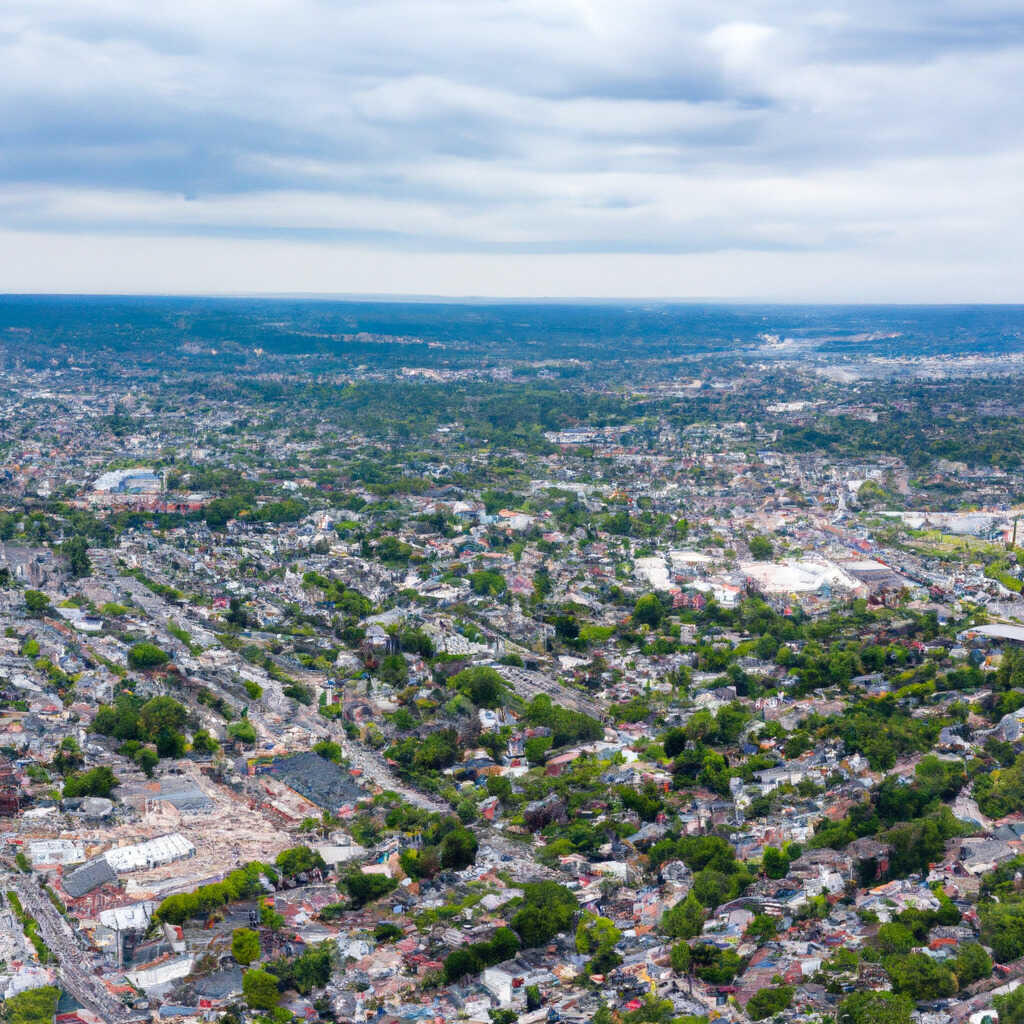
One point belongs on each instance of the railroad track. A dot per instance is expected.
(530, 684)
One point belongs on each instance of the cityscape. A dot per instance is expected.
(423, 678)
(511, 512)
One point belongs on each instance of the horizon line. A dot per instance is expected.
(427, 298)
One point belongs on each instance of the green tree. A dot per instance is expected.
(36, 602)
(1010, 1007)
(144, 655)
(972, 964)
(487, 582)
(69, 756)
(894, 937)
(761, 548)
(260, 989)
(1002, 928)
(769, 1001)
(242, 731)
(393, 670)
(76, 551)
(460, 963)
(245, 946)
(548, 908)
(762, 928)
(919, 976)
(269, 917)
(458, 849)
(679, 957)
(685, 919)
(147, 759)
(715, 966)
(99, 781)
(204, 743)
(597, 937)
(34, 1006)
(536, 747)
(482, 685)
(648, 611)
(364, 888)
(298, 859)
(875, 1008)
(775, 862)
(161, 714)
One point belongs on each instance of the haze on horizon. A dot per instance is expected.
(782, 151)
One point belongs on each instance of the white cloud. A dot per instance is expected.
(588, 132)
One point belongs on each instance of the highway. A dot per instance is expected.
(57, 934)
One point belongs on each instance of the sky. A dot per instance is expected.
(854, 150)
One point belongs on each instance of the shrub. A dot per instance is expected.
(143, 656)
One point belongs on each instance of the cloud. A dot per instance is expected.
(571, 128)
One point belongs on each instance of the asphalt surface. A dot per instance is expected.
(57, 934)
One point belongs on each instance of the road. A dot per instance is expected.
(57, 934)
(376, 770)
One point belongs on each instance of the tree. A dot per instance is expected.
(774, 862)
(919, 976)
(547, 909)
(34, 1006)
(236, 614)
(875, 1008)
(69, 756)
(260, 989)
(161, 714)
(715, 966)
(597, 937)
(1002, 928)
(99, 781)
(679, 957)
(674, 742)
(76, 551)
(387, 932)
(305, 972)
(147, 759)
(972, 964)
(761, 548)
(36, 602)
(242, 731)
(487, 583)
(245, 946)
(364, 888)
(762, 928)
(393, 670)
(685, 919)
(204, 743)
(648, 611)
(536, 747)
(768, 1001)
(533, 998)
(461, 962)
(269, 917)
(438, 750)
(298, 859)
(482, 685)
(1010, 1007)
(144, 655)
(894, 937)
(458, 849)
